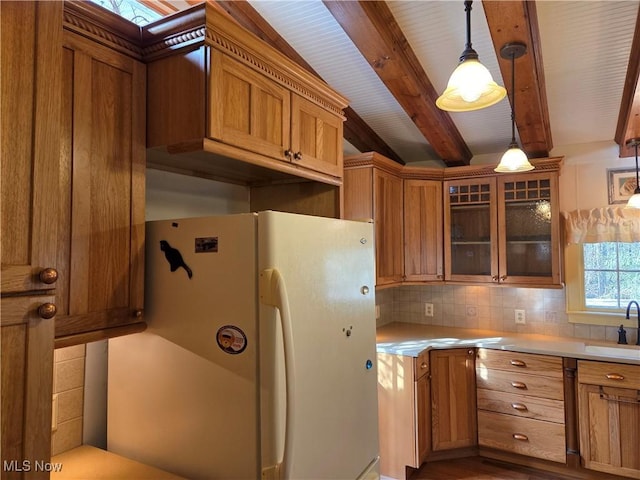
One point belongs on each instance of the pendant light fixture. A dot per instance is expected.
(634, 200)
(514, 159)
(470, 86)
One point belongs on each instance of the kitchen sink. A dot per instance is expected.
(626, 351)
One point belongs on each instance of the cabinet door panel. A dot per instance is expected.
(610, 429)
(388, 219)
(246, 109)
(104, 198)
(29, 141)
(423, 257)
(471, 228)
(529, 232)
(453, 399)
(316, 137)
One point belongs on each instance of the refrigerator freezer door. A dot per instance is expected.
(183, 395)
(328, 268)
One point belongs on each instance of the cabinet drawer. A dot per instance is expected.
(521, 405)
(609, 374)
(520, 383)
(520, 362)
(525, 436)
(421, 365)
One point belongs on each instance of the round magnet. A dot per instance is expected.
(231, 339)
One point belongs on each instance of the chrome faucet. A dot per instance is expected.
(638, 309)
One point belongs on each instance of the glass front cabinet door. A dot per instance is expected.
(503, 229)
(528, 223)
(471, 241)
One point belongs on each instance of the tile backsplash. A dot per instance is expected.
(488, 308)
(68, 394)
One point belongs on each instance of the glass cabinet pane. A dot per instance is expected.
(528, 228)
(471, 239)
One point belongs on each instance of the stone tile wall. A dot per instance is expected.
(489, 308)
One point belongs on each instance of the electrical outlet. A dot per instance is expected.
(520, 317)
(377, 311)
(428, 309)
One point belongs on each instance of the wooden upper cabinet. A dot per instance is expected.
(423, 244)
(246, 109)
(389, 235)
(503, 229)
(219, 93)
(316, 137)
(29, 142)
(30, 97)
(373, 191)
(102, 161)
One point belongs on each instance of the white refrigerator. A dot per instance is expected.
(259, 360)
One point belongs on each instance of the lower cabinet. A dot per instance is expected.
(609, 416)
(404, 416)
(521, 404)
(453, 399)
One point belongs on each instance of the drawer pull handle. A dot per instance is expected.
(518, 363)
(423, 365)
(615, 376)
(521, 437)
(520, 407)
(520, 385)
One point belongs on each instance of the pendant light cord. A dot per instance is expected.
(513, 98)
(467, 9)
(637, 174)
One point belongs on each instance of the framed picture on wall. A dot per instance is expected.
(622, 184)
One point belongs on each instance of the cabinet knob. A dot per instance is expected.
(439, 277)
(423, 365)
(615, 376)
(503, 278)
(48, 276)
(288, 153)
(297, 156)
(138, 313)
(470, 352)
(47, 310)
(494, 278)
(521, 437)
(520, 385)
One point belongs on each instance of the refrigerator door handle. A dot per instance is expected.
(273, 292)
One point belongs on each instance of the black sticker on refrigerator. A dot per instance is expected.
(174, 257)
(231, 339)
(206, 244)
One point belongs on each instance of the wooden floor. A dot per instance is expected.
(478, 468)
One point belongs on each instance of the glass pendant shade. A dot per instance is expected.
(634, 201)
(514, 160)
(470, 87)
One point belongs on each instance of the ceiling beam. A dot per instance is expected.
(629, 117)
(374, 31)
(517, 21)
(356, 130)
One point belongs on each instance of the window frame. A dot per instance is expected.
(574, 293)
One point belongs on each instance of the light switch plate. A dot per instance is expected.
(520, 317)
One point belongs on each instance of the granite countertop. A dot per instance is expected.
(410, 339)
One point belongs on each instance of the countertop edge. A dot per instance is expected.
(411, 339)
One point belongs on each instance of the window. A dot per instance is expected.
(132, 10)
(602, 278)
(611, 274)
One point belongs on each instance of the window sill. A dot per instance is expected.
(602, 318)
